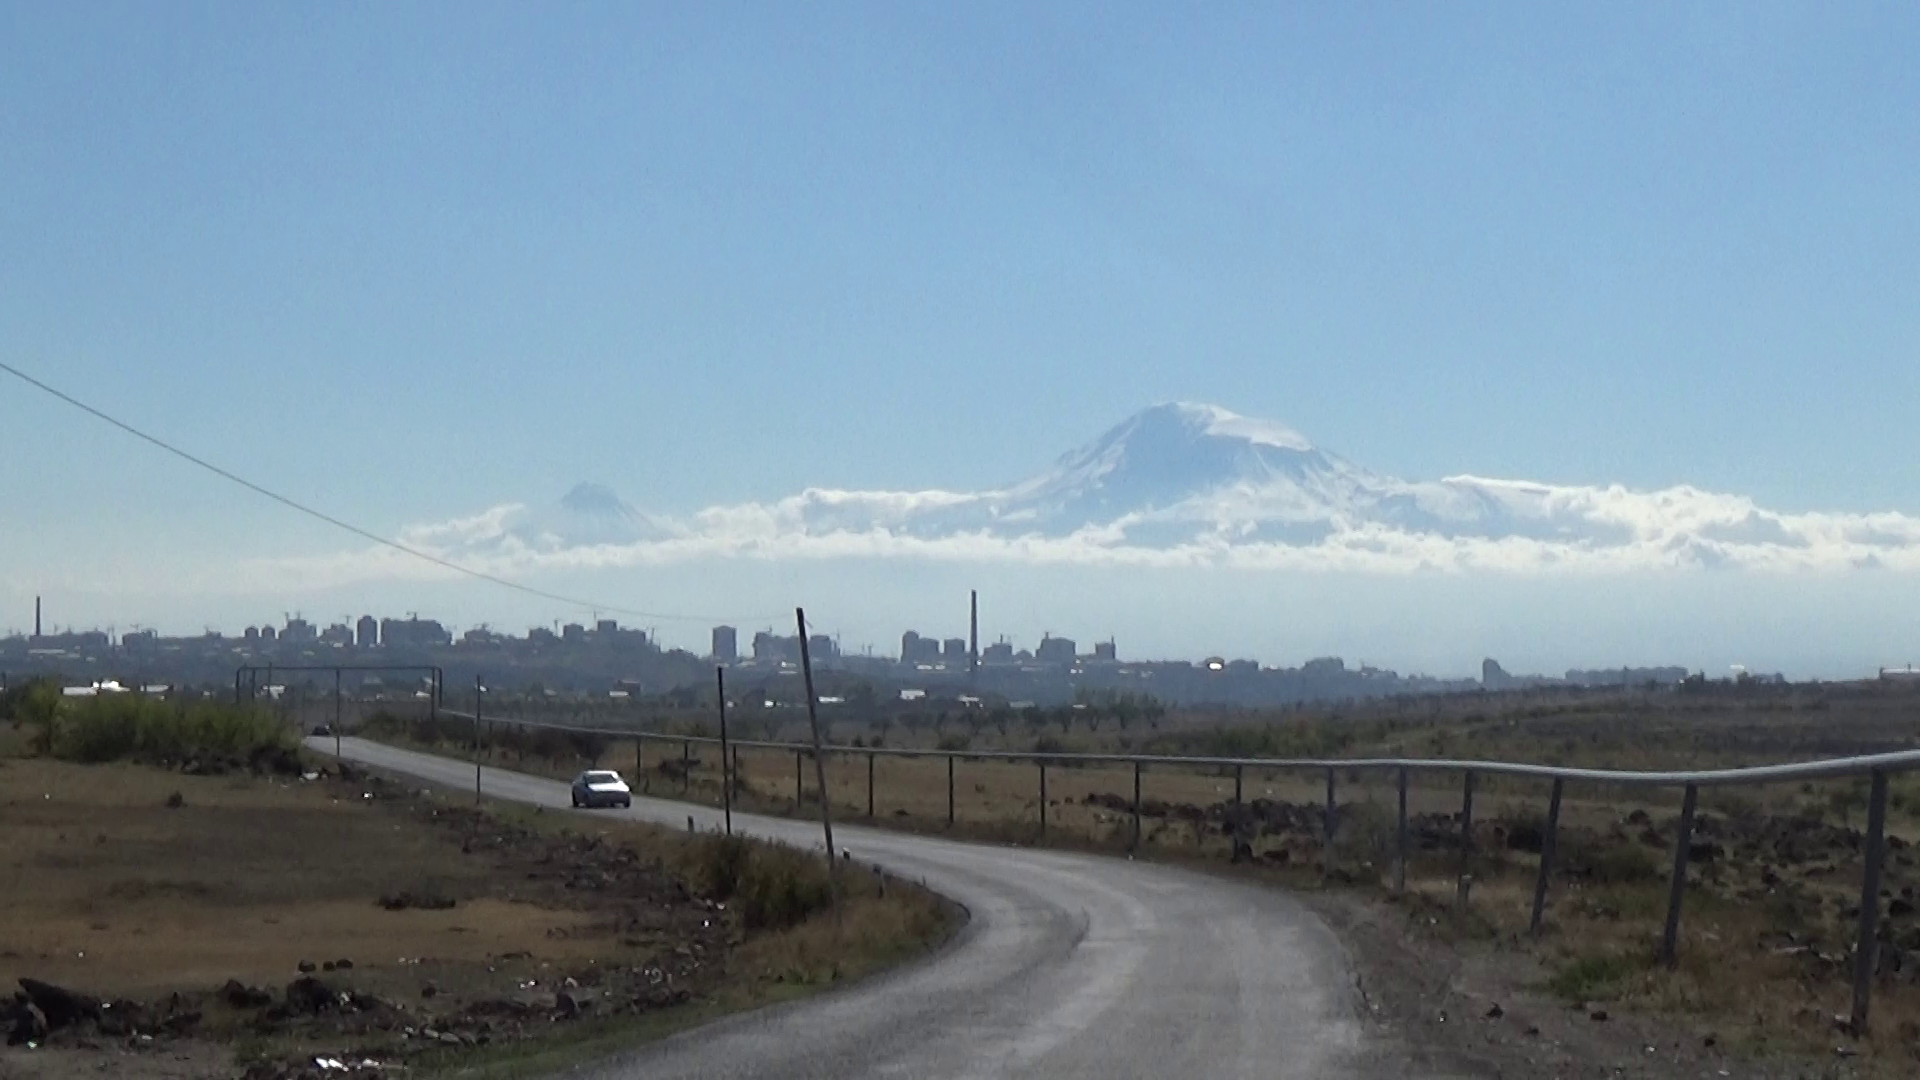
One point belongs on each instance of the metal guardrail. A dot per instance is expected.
(1877, 767)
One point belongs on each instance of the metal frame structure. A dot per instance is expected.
(1877, 767)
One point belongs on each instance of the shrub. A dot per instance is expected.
(1593, 977)
(772, 887)
(117, 726)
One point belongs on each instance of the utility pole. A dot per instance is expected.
(479, 692)
(819, 759)
(726, 768)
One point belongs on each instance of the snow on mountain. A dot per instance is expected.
(1190, 484)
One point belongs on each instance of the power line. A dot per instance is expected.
(348, 526)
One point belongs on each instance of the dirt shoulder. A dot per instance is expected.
(331, 922)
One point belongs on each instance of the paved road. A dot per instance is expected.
(1071, 966)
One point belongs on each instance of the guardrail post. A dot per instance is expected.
(1043, 800)
(1866, 954)
(686, 766)
(798, 792)
(1548, 838)
(1466, 841)
(869, 784)
(1239, 814)
(1400, 838)
(1136, 807)
(949, 790)
(1329, 825)
(1682, 845)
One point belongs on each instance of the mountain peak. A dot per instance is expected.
(597, 501)
(1206, 419)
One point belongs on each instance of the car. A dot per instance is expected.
(322, 731)
(601, 787)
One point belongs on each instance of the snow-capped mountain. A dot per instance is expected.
(1180, 472)
(1185, 484)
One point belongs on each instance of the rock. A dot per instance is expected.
(306, 967)
(1899, 907)
(326, 965)
(1597, 1014)
(176, 800)
(566, 1005)
(307, 995)
(241, 996)
(61, 1007)
(403, 900)
(429, 990)
(1495, 1012)
(1525, 836)
(343, 965)
(28, 1023)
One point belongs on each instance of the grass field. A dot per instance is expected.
(152, 888)
(1767, 933)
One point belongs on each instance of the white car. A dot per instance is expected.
(601, 787)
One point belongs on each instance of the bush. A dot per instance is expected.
(1594, 977)
(772, 887)
(116, 726)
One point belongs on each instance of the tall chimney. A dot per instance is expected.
(973, 631)
(36, 616)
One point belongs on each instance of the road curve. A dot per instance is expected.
(1071, 966)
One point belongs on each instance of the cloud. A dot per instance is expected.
(1467, 525)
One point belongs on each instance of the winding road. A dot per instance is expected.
(1071, 966)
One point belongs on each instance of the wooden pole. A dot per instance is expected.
(1466, 841)
(819, 758)
(726, 768)
(1400, 839)
(478, 690)
(1043, 800)
(870, 784)
(949, 790)
(1136, 806)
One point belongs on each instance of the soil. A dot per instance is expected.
(164, 926)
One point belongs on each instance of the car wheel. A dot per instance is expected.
(626, 804)
(576, 802)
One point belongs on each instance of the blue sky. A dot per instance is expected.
(409, 262)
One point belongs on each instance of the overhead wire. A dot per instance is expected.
(347, 526)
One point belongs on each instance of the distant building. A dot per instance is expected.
(414, 632)
(573, 634)
(1104, 652)
(775, 648)
(540, 635)
(998, 653)
(252, 634)
(954, 650)
(366, 632)
(821, 647)
(268, 633)
(299, 631)
(606, 628)
(1055, 650)
(915, 649)
(339, 634)
(726, 644)
(138, 640)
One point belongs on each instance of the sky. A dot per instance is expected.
(407, 263)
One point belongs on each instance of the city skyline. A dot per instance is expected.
(1656, 264)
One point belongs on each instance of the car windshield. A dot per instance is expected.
(603, 778)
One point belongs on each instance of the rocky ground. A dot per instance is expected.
(1764, 984)
(333, 923)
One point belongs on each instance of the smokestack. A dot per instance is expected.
(36, 616)
(973, 631)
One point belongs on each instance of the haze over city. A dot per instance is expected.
(718, 323)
